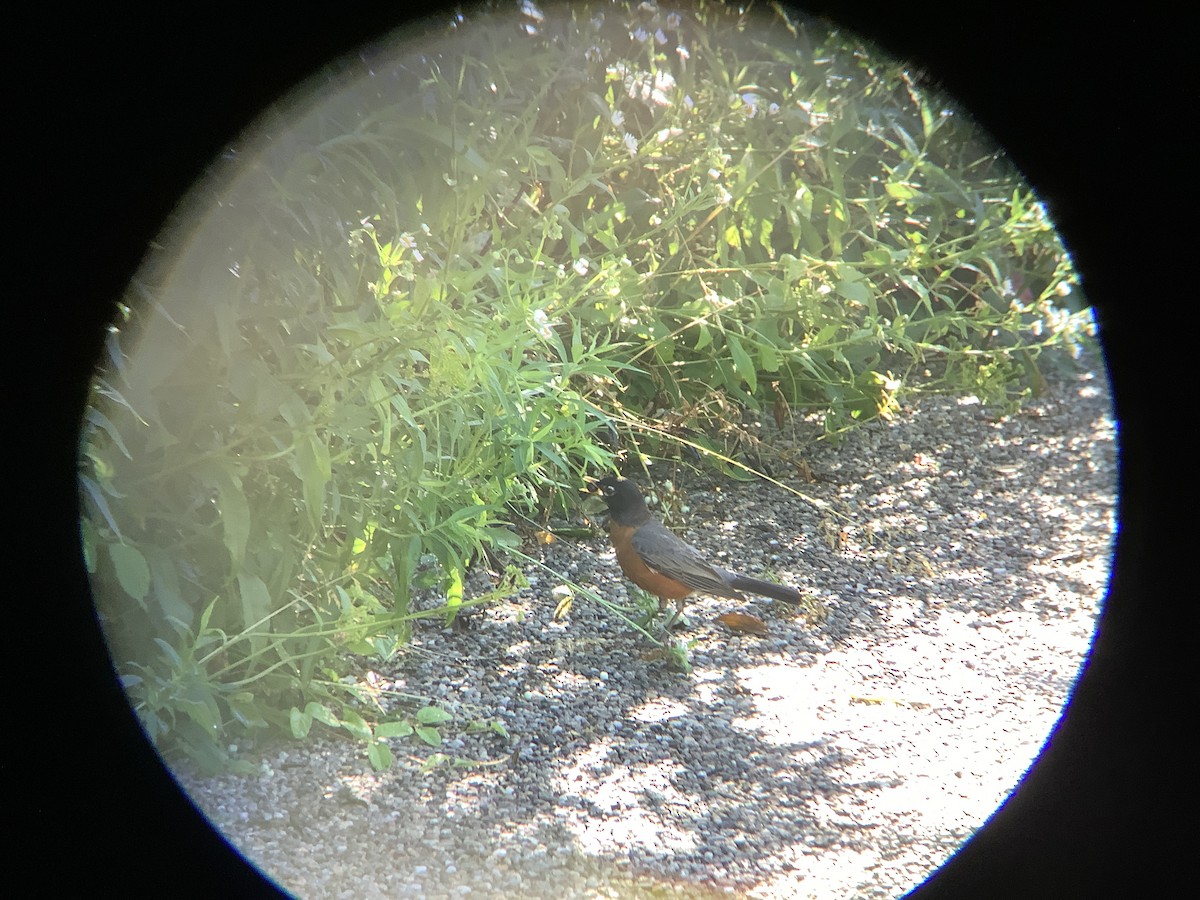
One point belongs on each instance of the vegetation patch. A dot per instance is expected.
(387, 337)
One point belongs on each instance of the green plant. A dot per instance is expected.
(489, 267)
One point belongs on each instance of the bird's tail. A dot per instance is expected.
(765, 588)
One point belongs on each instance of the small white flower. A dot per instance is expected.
(631, 144)
(581, 266)
(541, 323)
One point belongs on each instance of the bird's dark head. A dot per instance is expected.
(621, 495)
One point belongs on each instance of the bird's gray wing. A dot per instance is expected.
(665, 552)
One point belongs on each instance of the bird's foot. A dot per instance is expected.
(677, 621)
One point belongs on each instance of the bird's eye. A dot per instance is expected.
(609, 490)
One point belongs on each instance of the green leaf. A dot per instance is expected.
(379, 397)
(399, 729)
(454, 594)
(322, 713)
(742, 364)
(245, 708)
(197, 703)
(380, 756)
(234, 508)
(356, 724)
(804, 203)
(295, 411)
(256, 603)
(312, 459)
(429, 735)
(207, 615)
(432, 715)
(300, 722)
(500, 537)
(768, 357)
(167, 591)
(97, 418)
(856, 291)
(902, 191)
(170, 654)
(93, 491)
(905, 138)
(132, 572)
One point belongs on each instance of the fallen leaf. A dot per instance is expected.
(780, 412)
(743, 623)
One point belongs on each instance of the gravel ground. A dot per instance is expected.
(959, 560)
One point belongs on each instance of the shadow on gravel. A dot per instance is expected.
(624, 776)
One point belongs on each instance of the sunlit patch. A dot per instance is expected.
(631, 806)
(785, 712)
(659, 710)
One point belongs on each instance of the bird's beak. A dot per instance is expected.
(591, 485)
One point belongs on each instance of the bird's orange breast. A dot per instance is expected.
(638, 572)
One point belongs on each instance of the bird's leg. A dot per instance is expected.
(675, 617)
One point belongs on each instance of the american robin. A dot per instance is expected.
(657, 561)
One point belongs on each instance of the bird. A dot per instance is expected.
(663, 564)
